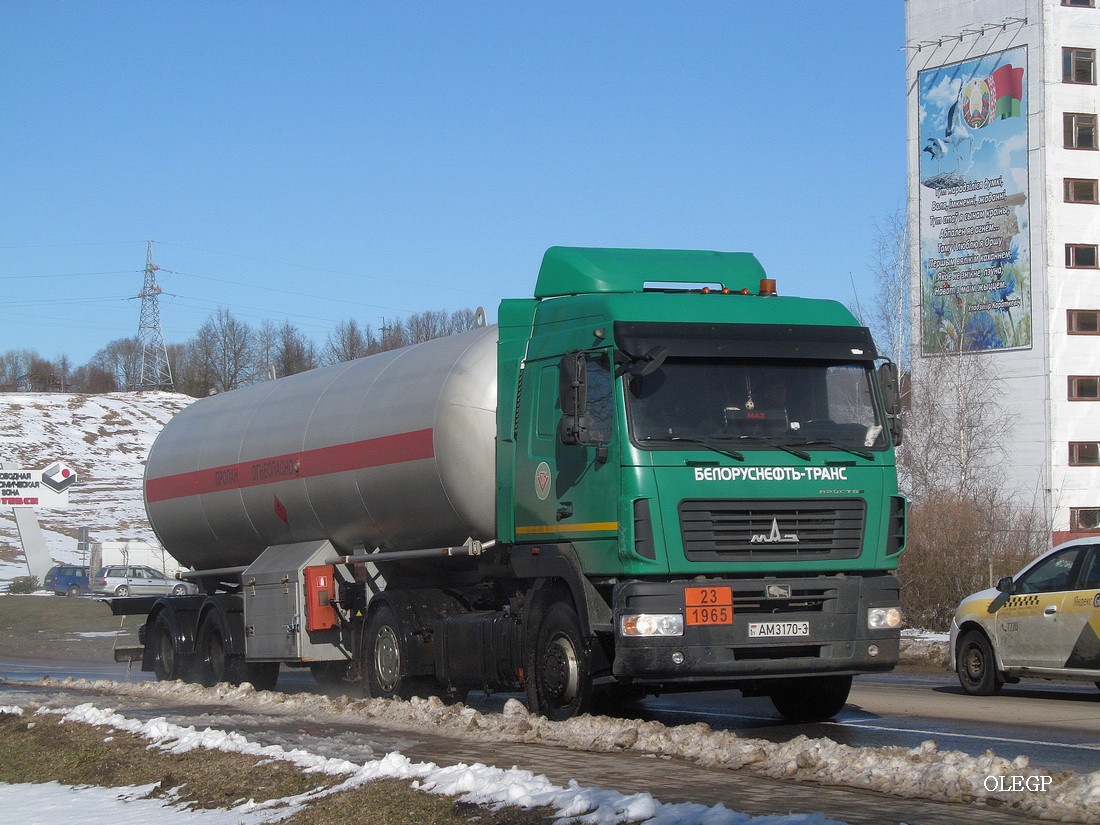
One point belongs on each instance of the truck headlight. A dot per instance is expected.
(884, 618)
(652, 624)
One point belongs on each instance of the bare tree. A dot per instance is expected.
(347, 342)
(121, 359)
(464, 319)
(891, 311)
(294, 352)
(224, 346)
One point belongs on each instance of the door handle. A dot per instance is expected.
(566, 510)
(1051, 609)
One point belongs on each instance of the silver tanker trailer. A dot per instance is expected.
(596, 498)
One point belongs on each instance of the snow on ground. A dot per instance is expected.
(924, 772)
(105, 438)
(51, 803)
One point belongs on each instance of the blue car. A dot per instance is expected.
(67, 580)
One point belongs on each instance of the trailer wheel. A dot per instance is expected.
(811, 698)
(166, 659)
(559, 672)
(386, 657)
(216, 662)
(219, 663)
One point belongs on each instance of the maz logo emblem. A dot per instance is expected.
(774, 537)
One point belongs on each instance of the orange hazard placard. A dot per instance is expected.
(708, 605)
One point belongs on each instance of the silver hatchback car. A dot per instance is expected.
(137, 580)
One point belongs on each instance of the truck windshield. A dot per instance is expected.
(744, 405)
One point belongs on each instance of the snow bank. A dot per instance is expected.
(923, 772)
(480, 784)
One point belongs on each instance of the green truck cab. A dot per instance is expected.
(710, 468)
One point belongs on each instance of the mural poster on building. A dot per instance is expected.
(974, 245)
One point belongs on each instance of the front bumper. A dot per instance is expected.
(828, 615)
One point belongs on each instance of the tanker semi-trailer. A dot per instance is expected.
(655, 475)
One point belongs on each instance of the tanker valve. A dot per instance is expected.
(292, 628)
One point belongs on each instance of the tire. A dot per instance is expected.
(386, 658)
(559, 668)
(811, 698)
(166, 656)
(179, 590)
(217, 663)
(122, 591)
(74, 590)
(976, 666)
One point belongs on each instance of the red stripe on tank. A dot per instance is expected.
(340, 458)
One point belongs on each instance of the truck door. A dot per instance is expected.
(567, 481)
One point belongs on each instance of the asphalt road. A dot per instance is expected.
(1055, 724)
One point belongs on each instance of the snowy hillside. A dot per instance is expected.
(105, 438)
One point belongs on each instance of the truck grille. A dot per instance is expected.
(772, 529)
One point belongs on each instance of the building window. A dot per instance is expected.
(1084, 518)
(1079, 130)
(1084, 388)
(1081, 4)
(1084, 453)
(1079, 65)
(1081, 256)
(1080, 190)
(1084, 322)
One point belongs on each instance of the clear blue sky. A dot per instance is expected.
(318, 161)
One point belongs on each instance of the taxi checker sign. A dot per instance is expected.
(37, 488)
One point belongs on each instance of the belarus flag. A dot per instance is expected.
(1008, 88)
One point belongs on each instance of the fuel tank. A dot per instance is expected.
(395, 450)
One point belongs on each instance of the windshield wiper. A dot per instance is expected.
(824, 442)
(771, 442)
(700, 441)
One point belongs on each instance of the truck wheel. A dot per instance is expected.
(976, 666)
(559, 673)
(385, 657)
(166, 659)
(811, 698)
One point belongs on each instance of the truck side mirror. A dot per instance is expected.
(891, 397)
(573, 398)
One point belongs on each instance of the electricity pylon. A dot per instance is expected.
(156, 374)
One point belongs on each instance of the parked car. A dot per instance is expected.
(1043, 622)
(67, 580)
(138, 580)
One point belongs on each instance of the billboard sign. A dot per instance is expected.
(975, 250)
(48, 487)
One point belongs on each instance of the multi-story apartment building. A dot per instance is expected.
(1004, 217)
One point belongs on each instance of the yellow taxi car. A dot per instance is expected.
(1043, 622)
